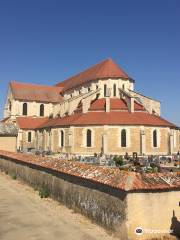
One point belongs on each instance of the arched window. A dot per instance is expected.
(89, 138)
(105, 90)
(9, 105)
(29, 136)
(123, 86)
(89, 89)
(154, 138)
(114, 90)
(123, 138)
(97, 87)
(24, 108)
(62, 138)
(42, 110)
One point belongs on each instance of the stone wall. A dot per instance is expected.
(149, 103)
(153, 212)
(8, 143)
(101, 204)
(113, 134)
(23, 140)
(77, 144)
(118, 200)
(120, 83)
(33, 107)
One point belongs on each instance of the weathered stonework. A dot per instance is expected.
(117, 200)
(149, 103)
(103, 81)
(113, 140)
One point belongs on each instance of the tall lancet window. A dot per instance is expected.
(24, 109)
(42, 110)
(114, 90)
(105, 90)
(61, 138)
(29, 136)
(89, 138)
(123, 138)
(155, 138)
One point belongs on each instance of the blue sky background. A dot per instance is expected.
(47, 41)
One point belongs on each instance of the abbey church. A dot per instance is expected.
(95, 111)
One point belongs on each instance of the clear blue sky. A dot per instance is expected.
(47, 41)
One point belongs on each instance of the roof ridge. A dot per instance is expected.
(78, 74)
(104, 69)
(33, 84)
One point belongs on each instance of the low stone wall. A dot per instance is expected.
(118, 200)
(101, 204)
(8, 143)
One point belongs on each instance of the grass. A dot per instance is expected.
(14, 176)
(44, 192)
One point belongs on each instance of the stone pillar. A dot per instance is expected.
(19, 140)
(143, 142)
(85, 105)
(132, 105)
(70, 139)
(171, 143)
(104, 144)
(50, 135)
(107, 104)
(51, 141)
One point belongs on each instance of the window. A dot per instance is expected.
(61, 138)
(89, 138)
(24, 108)
(9, 105)
(89, 89)
(105, 90)
(123, 138)
(114, 90)
(154, 138)
(97, 87)
(29, 137)
(42, 110)
(123, 87)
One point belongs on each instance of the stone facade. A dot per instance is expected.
(149, 103)
(105, 137)
(77, 143)
(8, 143)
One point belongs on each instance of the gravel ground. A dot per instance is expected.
(25, 216)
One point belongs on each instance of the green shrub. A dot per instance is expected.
(44, 192)
(155, 169)
(118, 160)
(14, 176)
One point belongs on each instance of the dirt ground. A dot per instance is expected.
(25, 216)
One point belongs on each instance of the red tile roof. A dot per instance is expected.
(33, 92)
(112, 177)
(65, 121)
(102, 70)
(109, 118)
(30, 122)
(115, 104)
(138, 106)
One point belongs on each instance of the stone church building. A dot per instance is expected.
(95, 111)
